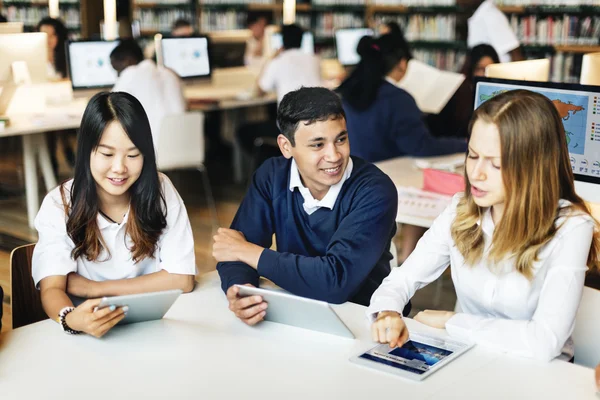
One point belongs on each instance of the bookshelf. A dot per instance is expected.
(30, 12)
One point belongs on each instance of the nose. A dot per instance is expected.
(119, 165)
(478, 172)
(332, 154)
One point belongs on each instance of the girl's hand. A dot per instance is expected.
(434, 318)
(389, 328)
(94, 323)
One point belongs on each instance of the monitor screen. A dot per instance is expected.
(308, 42)
(578, 106)
(89, 64)
(346, 41)
(188, 57)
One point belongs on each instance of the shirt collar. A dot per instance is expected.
(390, 80)
(104, 223)
(310, 203)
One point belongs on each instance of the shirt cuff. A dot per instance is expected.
(461, 326)
(383, 305)
(268, 263)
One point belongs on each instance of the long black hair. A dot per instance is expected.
(475, 55)
(378, 58)
(396, 31)
(62, 34)
(147, 212)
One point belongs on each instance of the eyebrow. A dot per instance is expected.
(471, 149)
(320, 139)
(112, 148)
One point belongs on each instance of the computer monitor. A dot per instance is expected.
(11, 27)
(307, 46)
(32, 48)
(530, 70)
(89, 63)
(590, 69)
(188, 57)
(346, 42)
(227, 48)
(578, 106)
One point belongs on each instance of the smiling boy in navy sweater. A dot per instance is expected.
(333, 215)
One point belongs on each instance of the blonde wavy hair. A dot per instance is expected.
(536, 173)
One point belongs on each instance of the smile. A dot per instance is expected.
(117, 181)
(332, 171)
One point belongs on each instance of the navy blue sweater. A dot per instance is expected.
(331, 255)
(392, 127)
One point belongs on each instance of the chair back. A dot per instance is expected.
(181, 141)
(587, 329)
(25, 298)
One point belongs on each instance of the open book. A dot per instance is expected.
(431, 88)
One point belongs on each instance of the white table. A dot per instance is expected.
(200, 350)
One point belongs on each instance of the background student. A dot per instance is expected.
(57, 35)
(253, 54)
(392, 28)
(288, 70)
(519, 239)
(119, 227)
(488, 25)
(384, 121)
(158, 89)
(454, 118)
(182, 28)
(333, 215)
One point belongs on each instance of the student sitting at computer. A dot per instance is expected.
(119, 227)
(383, 120)
(333, 215)
(57, 35)
(453, 120)
(290, 69)
(158, 89)
(253, 54)
(519, 239)
(182, 28)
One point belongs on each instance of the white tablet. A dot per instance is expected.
(143, 306)
(301, 312)
(418, 358)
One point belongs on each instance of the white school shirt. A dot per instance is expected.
(310, 203)
(291, 70)
(502, 310)
(489, 25)
(252, 45)
(52, 254)
(157, 88)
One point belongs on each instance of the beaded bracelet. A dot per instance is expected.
(62, 320)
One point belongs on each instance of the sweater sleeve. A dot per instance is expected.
(254, 219)
(413, 137)
(353, 251)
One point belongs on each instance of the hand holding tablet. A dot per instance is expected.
(250, 309)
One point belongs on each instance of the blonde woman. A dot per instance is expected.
(519, 239)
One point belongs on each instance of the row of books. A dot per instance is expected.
(7, 3)
(160, 20)
(565, 67)
(304, 20)
(339, 2)
(30, 16)
(222, 20)
(328, 22)
(567, 30)
(547, 3)
(162, 2)
(447, 60)
(414, 3)
(441, 27)
(236, 2)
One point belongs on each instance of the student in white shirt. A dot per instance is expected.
(182, 28)
(119, 227)
(253, 54)
(518, 239)
(158, 89)
(489, 25)
(290, 69)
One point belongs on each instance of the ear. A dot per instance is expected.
(285, 146)
(403, 64)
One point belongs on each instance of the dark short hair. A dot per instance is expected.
(309, 105)
(127, 48)
(254, 16)
(181, 23)
(292, 36)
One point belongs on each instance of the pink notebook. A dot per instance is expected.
(442, 182)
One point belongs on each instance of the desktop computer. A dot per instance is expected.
(30, 48)
(590, 69)
(276, 42)
(89, 63)
(188, 57)
(346, 42)
(579, 108)
(530, 70)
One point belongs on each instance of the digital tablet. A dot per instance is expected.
(418, 358)
(143, 306)
(300, 312)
